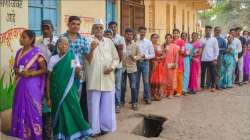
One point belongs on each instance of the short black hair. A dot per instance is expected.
(168, 35)
(195, 33)
(154, 34)
(142, 28)
(129, 30)
(47, 22)
(232, 29)
(31, 34)
(71, 18)
(245, 31)
(184, 33)
(208, 27)
(216, 27)
(176, 30)
(108, 31)
(238, 28)
(112, 23)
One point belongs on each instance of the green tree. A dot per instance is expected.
(227, 14)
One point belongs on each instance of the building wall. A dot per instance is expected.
(11, 27)
(159, 18)
(88, 10)
(14, 18)
(163, 17)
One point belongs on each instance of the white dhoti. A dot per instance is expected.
(101, 111)
(240, 68)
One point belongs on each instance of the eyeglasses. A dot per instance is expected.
(99, 27)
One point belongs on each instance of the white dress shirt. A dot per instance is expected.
(210, 48)
(237, 45)
(146, 48)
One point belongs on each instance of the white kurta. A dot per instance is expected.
(105, 55)
(101, 87)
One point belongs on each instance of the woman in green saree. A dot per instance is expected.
(62, 95)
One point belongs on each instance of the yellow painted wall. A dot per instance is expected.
(13, 21)
(164, 18)
(86, 9)
(89, 10)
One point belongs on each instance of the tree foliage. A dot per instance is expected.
(227, 14)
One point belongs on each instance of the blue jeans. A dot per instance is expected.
(118, 82)
(143, 68)
(132, 82)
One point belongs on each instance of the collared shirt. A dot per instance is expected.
(237, 45)
(118, 39)
(42, 44)
(210, 48)
(222, 45)
(146, 48)
(243, 44)
(129, 65)
(105, 55)
(80, 47)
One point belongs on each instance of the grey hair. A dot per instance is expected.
(60, 39)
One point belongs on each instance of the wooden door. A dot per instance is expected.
(132, 14)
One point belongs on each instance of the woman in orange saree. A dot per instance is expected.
(171, 65)
(156, 69)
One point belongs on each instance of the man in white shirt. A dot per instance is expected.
(147, 51)
(121, 47)
(242, 43)
(48, 41)
(101, 63)
(237, 44)
(210, 53)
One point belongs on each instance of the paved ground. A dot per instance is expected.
(224, 115)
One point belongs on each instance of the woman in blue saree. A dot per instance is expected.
(187, 62)
(229, 63)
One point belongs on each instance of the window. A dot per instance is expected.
(110, 11)
(40, 10)
(132, 14)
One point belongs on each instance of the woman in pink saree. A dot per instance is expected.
(30, 69)
(194, 82)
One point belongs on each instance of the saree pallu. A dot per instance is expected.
(170, 73)
(187, 62)
(227, 70)
(68, 121)
(27, 103)
(195, 69)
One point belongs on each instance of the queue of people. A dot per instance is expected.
(71, 87)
